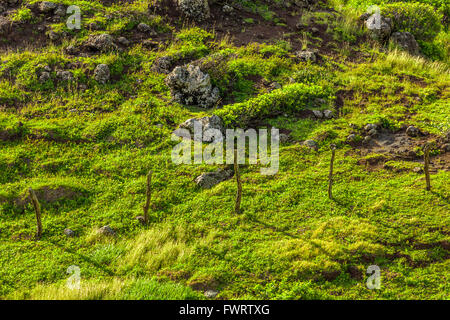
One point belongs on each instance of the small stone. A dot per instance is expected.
(69, 232)
(145, 28)
(418, 170)
(47, 6)
(412, 131)
(328, 114)
(318, 114)
(107, 230)
(52, 35)
(211, 294)
(283, 138)
(123, 41)
(306, 55)
(102, 73)
(373, 132)
(45, 76)
(310, 144)
(141, 219)
(71, 50)
(61, 11)
(64, 75)
(351, 138)
(367, 139)
(227, 9)
(101, 42)
(370, 126)
(208, 180)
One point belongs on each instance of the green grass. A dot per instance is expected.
(94, 146)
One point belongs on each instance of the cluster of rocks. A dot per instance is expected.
(190, 86)
(101, 74)
(326, 114)
(382, 29)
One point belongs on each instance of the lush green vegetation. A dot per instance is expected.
(86, 147)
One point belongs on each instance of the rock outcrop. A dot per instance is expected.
(190, 86)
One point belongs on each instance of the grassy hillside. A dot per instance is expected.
(86, 147)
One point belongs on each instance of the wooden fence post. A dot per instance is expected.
(148, 195)
(427, 165)
(37, 209)
(237, 207)
(330, 176)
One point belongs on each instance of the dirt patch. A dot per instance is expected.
(399, 146)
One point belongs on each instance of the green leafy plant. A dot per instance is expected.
(417, 18)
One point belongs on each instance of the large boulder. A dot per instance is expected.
(207, 123)
(406, 41)
(197, 10)
(190, 86)
(379, 27)
(208, 180)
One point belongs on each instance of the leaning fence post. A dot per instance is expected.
(330, 176)
(148, 195)
(427, 165)
(37, 209)
(237, 207)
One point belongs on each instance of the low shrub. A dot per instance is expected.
(420, 19)
(291, 98)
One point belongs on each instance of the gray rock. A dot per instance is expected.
(211, 294)
(60, 11)
(52, 35)
(207, 123)
(306, 55)
(72, 50)
(351, 138)
(379, 27)
(69, 232)
(412, 131)
(141, 219)
(310, 144)
(328, 114)
(190, 86)
(107, 231)
(197, 10)
(274, 86)
(227, 9)
(123, 41)
(47, 6)
(44, 77)
(418, 170)
(208, 180)
(406, 41)
(367, 139)
(163, 65)
(102, 73)
(101, 42)
(318, 114)
(370, 126)
(145, 28)
(284, 138)
(64, 75)
(373, 132)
